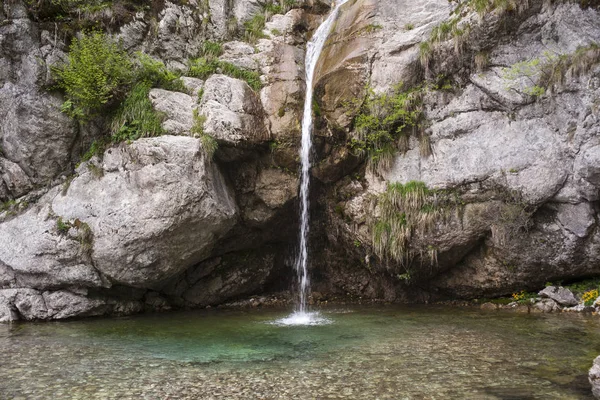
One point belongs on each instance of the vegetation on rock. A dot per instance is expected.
(384, 124)
(403, 212)
(96, 71)
(209, 143)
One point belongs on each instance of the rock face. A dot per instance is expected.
(486, 138)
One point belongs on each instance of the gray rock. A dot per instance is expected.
(594, 377)
(193, 85)
(38, 256)
(577, 218)
(34, 134)
(25, 304)
(275, 188)
(234, 115)
(240, 54)
(177, 34)
(218, 280)
(546, 306)
(559, 294)
(158, 208)
(64, 304)
(15, 179)
(178, 109)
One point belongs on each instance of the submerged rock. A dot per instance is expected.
(594, 377)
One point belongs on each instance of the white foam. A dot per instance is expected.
(302, 318)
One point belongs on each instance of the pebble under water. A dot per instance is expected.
(378, 352)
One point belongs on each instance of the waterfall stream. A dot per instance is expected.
(313, 51)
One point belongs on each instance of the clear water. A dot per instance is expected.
(365, 353)
(313, 50)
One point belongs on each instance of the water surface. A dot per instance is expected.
(365, 353)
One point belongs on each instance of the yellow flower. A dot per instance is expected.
(589, 297)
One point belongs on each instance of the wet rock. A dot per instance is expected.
(218, 280)
(489, 306)
(275, 187)
(594, 377)
(559, 294)
(64, 304)
(546, 306)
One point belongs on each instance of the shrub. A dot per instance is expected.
(96, 70)
(155, 73)
(135, 117)
(383, 125)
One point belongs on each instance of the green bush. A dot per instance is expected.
(96, 70)
(384, 123)
(136, 118)
(202, 68)
(156, 74)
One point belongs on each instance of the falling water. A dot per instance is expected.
(313, 50)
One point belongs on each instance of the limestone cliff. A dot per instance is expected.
(474, 129)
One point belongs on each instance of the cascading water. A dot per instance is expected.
(313, 50)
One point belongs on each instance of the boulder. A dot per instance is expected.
(147, 212)
(156, 207)
(178, 109)
(546, 306)
(233, 112)
(594, 377)
(218, 280)
(559, 294)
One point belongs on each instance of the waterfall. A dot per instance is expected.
(313, 50)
